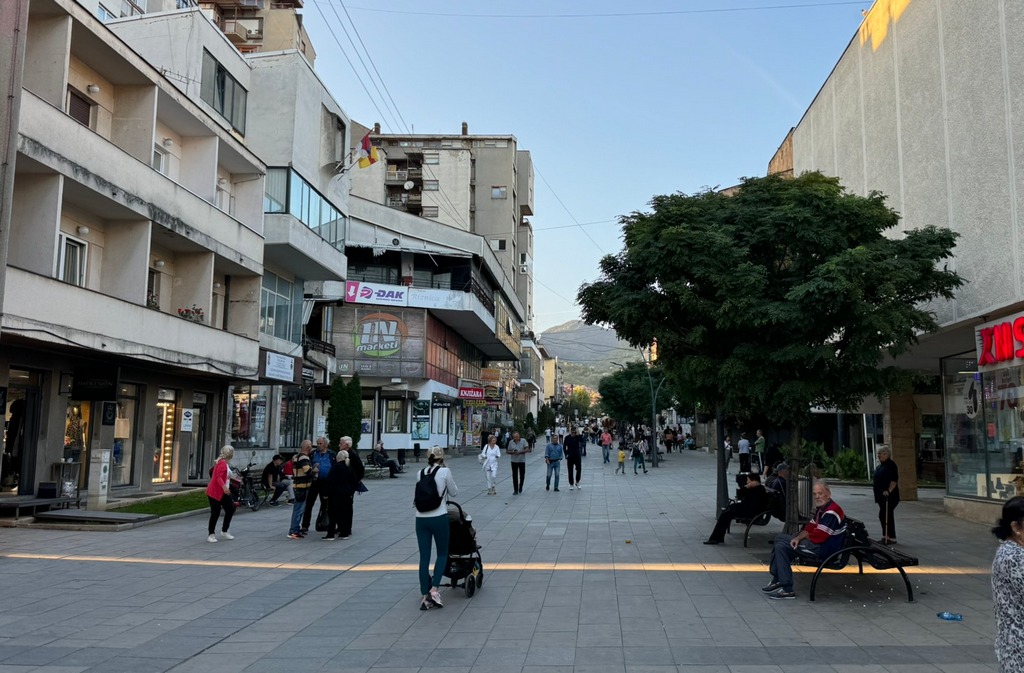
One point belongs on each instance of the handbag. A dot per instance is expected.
(361, 488)
(322, 520)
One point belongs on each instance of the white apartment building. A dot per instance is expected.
(135, 261)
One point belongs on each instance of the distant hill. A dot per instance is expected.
(586, 351)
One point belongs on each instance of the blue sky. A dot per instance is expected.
(665, 97)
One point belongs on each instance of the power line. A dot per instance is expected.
(552, 290)
(564, 207)
(570, 226)
(715, 10)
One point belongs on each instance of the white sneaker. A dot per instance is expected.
(226, 535)
(578, 487)
(571, 487)
(212, 538)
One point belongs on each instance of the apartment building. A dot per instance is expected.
(135, 261)
(482, 184)
(923, 106)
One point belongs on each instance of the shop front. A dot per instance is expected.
(983, 413)
(273, 414)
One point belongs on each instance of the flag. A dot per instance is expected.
(367, 153)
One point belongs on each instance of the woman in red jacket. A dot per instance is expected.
(219, 494)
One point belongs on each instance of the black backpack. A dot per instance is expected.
(427, 499)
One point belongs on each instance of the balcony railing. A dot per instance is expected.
(396, 176)
(317, 346)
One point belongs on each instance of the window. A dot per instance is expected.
(429, 211)
(499, 192)
(394, 416)
(430, 185)
(104, 14)
(522, 258)
(276, 306)
(223, 93)
(431, 158)
(73, 254)
(499, 244)
(159, 160)
(79, 107)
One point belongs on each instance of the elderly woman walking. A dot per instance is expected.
(218, 492)
(887, 492)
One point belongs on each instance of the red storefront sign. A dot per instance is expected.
(1000, 343)
(471, 393)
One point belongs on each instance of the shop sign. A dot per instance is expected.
(493, 394)
(187, 416)
(308, 374)
(440, 403)
(490, 374)
(358, 292)
(95, 384)
(471, 394)
(1000, 343)
(380, 335)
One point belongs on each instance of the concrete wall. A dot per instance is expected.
(925, 106)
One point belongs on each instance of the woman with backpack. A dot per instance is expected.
(434, 483)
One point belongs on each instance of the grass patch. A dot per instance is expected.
(171, 504)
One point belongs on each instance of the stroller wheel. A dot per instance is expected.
(470, 586)
(478, 573)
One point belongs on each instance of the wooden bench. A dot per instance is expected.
(31, 503)
(865, 550)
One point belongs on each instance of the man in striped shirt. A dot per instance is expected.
(823, 535)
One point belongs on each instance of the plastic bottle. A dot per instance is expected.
(950, 616)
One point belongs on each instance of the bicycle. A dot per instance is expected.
(252, 493)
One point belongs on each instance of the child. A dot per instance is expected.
(638, 455)
(622, 461)
(489, 458)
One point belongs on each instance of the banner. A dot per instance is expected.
(358, 292)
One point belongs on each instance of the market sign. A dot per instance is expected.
(1000, 343)
(380, 335)
(358, 292)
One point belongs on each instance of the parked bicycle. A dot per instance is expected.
(251, 492)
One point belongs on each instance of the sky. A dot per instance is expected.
(616, 101)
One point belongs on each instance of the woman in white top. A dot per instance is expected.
(489, 459)
(433, 524)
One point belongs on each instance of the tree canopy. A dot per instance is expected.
(782, 295)
(626, 394)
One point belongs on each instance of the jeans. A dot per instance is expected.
(570, 464)
(435, 527)
(518, 476)
(638, 461)
(781, 561)
(553, 467)
(282, 486)
(605, 450)
(298, 508)
(215, 506)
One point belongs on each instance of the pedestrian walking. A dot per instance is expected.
(1008, 587)
(433, 487)
(574, 458)
(885, 484)
(606, 446)
(639, 452)
(553, 457)
(302, 475)
(218, 492)
(622, 460)
(517, 450)
(489, 459)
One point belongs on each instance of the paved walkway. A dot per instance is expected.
(609, 579)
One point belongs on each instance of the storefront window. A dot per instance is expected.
(166, 428)
(394, 416)
(76, 430)
(249, 417)
(963, 405)
(367, 420)
(1004, 431)
(123, 454)
(294, 417)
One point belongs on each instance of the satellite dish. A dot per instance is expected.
(409, 184)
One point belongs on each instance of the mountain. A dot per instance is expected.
(586, 352)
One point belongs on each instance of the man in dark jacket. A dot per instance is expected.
(322, 460)
(574, 457)
(753, 500)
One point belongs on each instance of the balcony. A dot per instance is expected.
(466, 313)
(396, 177)
(101, 323)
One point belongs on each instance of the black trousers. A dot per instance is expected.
(227, 505)
(518, 476)
(724, 519)
(744, 462)
(885, 516)
(317, 489)
(340, 510)
(571, 463)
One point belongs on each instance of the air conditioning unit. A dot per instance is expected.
(524, 268)
(252, 33)
(251, 3)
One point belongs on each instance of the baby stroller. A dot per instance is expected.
(464, 562)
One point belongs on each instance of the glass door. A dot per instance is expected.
(21, 433)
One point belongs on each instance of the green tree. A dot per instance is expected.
(528, 422)
(784, 295)
(335, 411)
(626, 394)
(545, 418)
(352, 419)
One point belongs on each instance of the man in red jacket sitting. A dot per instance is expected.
(823, 535)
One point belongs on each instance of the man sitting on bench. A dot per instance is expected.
(823, 535)
(753, 499)
(380, 458)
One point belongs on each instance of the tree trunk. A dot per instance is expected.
(793, 487)
(722, 461)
